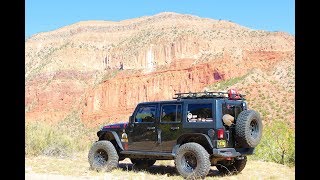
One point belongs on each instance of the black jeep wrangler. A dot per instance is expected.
(196, 130)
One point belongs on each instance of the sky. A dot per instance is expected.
(270, 15)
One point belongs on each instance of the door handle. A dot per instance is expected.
(174, 128)
(151, 128)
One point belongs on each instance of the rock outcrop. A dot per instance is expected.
(103, 69)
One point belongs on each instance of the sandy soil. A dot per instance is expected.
(77, 168)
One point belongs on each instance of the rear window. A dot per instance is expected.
(199, 113)
(233, 110)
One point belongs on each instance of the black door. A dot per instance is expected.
(142, 135)
(170, 125)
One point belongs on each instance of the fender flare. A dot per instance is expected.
(113, 134)
(183, 137)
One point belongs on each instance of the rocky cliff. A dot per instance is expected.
(102, 69)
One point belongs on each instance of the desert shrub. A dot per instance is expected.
(62, 139)
(45, 139)
(227, 83)
(277, 144)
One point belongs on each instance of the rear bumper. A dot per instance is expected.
(232, 152)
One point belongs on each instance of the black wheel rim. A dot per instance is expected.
(189, 162)
(254, 129)
(100, 157)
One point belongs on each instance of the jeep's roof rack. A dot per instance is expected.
(200, 95)
(205, 94)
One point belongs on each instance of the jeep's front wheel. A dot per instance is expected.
(103, 156)
(192, 161)
(232, 168)
(142, 163)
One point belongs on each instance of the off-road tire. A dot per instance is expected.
(192, 154)
(248, 129)
(103, 156)
(142, 163)
(236, 167)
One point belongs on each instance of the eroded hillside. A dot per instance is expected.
(103, 69)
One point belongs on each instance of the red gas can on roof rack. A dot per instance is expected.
(233, 94)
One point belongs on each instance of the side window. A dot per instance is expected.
(145, 114)
(199, 113)
(171, 113)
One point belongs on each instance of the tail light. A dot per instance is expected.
(220, 133)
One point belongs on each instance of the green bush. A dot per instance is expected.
(63, 139)
(44, 139)
(227, 83)
(277, 144)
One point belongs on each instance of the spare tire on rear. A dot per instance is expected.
(248, 129)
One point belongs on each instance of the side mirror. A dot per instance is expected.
(130, 119)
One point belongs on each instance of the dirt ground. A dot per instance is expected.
(77, 168)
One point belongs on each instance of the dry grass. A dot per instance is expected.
(77, 167)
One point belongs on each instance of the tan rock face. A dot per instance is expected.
(76, 67)
(115, 99)
(51, 97)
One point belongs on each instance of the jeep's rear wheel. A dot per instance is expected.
(142, 163)
(232, 168)
(192, 161)
(103, 156)
(248, 129)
